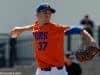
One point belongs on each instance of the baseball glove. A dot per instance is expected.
(87, 54)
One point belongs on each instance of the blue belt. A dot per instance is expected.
(49, 68)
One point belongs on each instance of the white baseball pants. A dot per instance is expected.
(53, 71)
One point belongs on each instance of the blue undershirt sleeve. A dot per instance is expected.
(76, 29)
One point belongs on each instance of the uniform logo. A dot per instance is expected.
(41, 37)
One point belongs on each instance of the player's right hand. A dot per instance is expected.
(14, 33)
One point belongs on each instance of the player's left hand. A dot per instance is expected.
(87, 54)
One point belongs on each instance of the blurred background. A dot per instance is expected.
(16, 55)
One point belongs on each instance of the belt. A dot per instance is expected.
(49, 68)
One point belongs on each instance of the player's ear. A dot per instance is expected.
(36, 14)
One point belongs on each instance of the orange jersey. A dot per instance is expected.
(49, 45)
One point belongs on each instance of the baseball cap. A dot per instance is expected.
(45, 7)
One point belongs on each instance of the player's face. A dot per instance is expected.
(44, 16)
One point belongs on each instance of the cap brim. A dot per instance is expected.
(52, 10)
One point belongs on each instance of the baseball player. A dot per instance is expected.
(48, 41)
